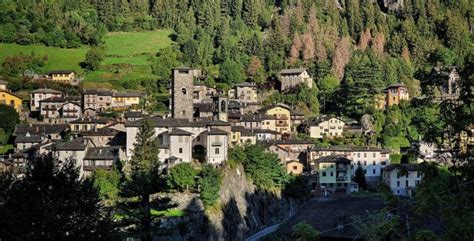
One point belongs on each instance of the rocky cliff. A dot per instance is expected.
(243, 211)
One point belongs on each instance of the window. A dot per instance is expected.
(365, 154)
(406, 183)
(398, 175)
(374, 154)
(398, 183)
(383, 163)
(295, 167)
(184, 91)
(217, 151)
(358, 154)
(417, 174)
(398, 191)
(373, 171)
(365, 171)
(324, 174)
(180, 150)
(180, 139)
(332, 174)
(365, 163)
(323, 166)
(373, 163)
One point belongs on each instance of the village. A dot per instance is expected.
(203, 124)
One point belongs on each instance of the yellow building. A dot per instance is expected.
(282, 114)
(126, 99)
(62, 76)
(8, 98)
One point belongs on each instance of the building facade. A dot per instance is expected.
(290, 78)
(402, 179)
(325, 126)
(41, 94)
(10, 99)
(182, 87)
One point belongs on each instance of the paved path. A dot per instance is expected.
(263, 233)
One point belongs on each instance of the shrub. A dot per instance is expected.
(305, 232)
(210, 185)
(181, 176)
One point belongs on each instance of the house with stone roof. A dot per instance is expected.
(290, 78)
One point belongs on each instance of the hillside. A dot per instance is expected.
(127, 58)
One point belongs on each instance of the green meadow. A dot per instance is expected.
(126, 62)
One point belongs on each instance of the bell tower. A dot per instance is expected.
(182, 93)
(220, 106)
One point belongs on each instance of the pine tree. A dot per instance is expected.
(308, 47)
(342, 55)
(295, 50)
(360, 177)
(144, 177)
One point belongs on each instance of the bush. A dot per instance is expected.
(297, 187)
(210, 185)
(181, 177)
(305, 232)
(9, 118)
(264, 167)
(360, 177)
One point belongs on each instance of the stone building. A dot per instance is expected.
(41, 94)
(396, 93)
(290, 78)
(182, 93)
(97, 99)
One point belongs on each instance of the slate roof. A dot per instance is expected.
(333, 159)
(325, 215)
(101, 153)
(90, 120)
(265, 131)
(28, 139)
(287, 142)
(203, 107)
(179, 132)
(245, 84)
(133, 114)
(169, 122)
(60, 71)
(78, 144)
(215, 131)
(408, 167)
(350, 148)
(128, 94)
(218, 123)
(322, 119)
(106, 131)
(292, 71)
(99, 92)
(62, 99)
(257, 117)
(396, 85)
(46, 91)
(273, 106)
(46, 129)
(182, 68)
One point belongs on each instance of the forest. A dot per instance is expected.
(352, 48)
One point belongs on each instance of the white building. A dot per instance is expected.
(75, 149)
(182, 140)
(325, 126)
(371, 159)
(402, 178)
(41, 94)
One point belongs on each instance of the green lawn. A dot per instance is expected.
(58, 58)
(127, 58)
(5, 148)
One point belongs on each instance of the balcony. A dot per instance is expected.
(282, 124)
(342, 179)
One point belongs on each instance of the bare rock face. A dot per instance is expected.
(243, 211)
(391, 5)
(246, 210)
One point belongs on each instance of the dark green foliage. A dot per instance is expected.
(302, 97)
(305, 232)
(93, 58)
(181, 177)
(359, 177)
(9, 118)
(52, 203)
(108, 183)
(19, 63)
(210, 185)
(276, 237)
(264, 168)
(143, 179)
(376, 226)
(297, 187)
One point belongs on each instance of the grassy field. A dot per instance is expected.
(127, 58)
(58, 58)
(5, 148)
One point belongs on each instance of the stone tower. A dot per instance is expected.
(182, 93)
(220, 106)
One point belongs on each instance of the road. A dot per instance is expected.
(263, 233)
